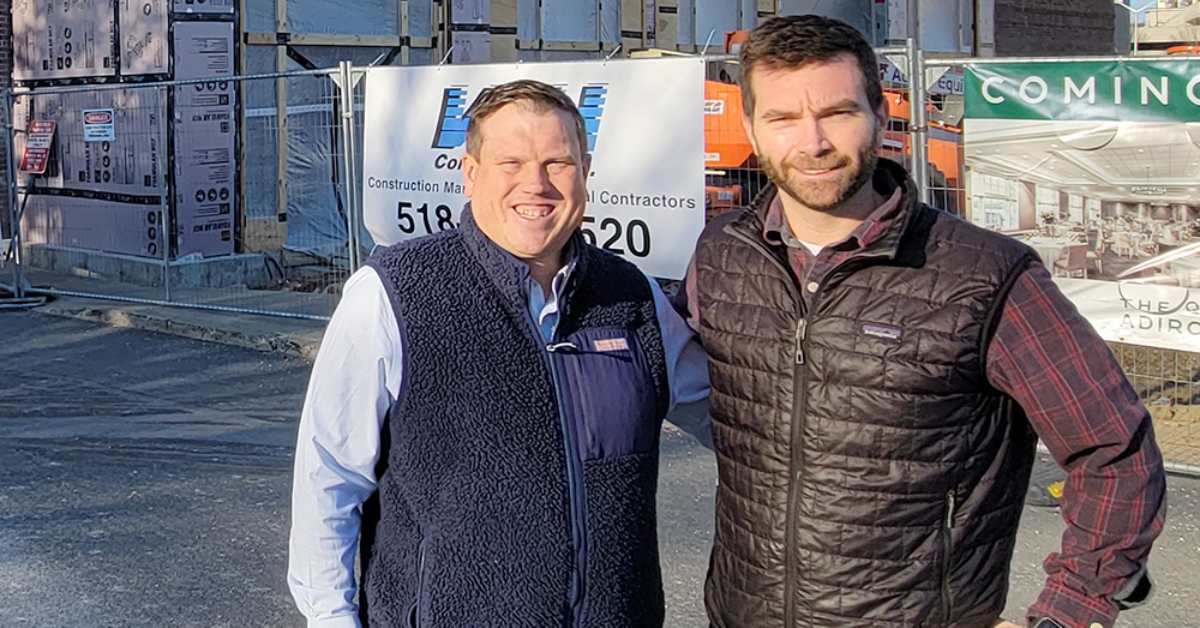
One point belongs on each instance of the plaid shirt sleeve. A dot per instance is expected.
(1051, 361)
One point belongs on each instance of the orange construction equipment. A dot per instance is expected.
(725, 141)
(728, 155)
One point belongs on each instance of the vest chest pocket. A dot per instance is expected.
(608, 392)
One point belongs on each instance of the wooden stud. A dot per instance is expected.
(322, 39)
(565, 46)
(504, 48)
(281, 25)
(281, 133)
(504, 13)
(632, 22)
(405, 51)
(281, 117)
(667, 35)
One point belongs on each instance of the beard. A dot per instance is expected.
(830, 194)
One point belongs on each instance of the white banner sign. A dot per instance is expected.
(645, 123)
(1167, 317)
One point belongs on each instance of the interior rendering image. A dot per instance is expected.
(1097, 200)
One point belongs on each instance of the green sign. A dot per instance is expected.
(1134, 90)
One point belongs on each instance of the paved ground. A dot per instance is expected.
(144, 481)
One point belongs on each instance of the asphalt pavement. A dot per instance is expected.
(145, 481)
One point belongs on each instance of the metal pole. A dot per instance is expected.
(165, 224)
(919, 121)
(165, 227)
(14, 212)
(352, 159)
(348, 155)
(1135, 32)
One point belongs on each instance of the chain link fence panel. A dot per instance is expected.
(226, 194)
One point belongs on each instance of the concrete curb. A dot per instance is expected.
(121, 318)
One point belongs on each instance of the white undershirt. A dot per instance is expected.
(815, 249)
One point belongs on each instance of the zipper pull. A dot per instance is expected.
(562, 347)
(801, 333)
(950, 506)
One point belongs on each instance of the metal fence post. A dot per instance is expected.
(920, 119)
(349, 149)
(165, 224)
(14, 211)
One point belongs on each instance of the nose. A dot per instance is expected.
(810, 138)
(535, 179)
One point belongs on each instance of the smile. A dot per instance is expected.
(533, 212)
(820, 173)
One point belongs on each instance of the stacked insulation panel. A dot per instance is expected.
(159, 149)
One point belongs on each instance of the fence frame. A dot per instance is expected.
(14, 211)
(340, 75)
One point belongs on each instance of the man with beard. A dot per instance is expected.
(881, 372)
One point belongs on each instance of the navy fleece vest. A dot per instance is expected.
(517, 481)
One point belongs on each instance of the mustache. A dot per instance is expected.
(827, 163)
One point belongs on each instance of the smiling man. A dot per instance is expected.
(881, 372)
(483, 417)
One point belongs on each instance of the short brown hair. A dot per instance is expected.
(795, 41)
(541, 97)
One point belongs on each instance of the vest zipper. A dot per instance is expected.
(801, 333)
(421, 551)
(795, 471)
(947, 550)
(575, 488)
(799, 370)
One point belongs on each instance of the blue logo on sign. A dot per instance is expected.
(591, 105)
(452, 124)
(451, 131)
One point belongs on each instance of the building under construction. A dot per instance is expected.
(251, 168)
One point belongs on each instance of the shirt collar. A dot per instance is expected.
(545, 309)
(506, 269)
(559, 282)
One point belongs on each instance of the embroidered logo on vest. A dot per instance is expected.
(886, 332)
(611, 344)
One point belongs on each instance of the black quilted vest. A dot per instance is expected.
(518, 478)
(869, 475)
